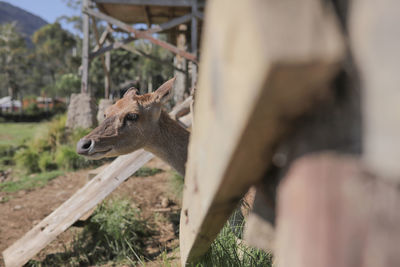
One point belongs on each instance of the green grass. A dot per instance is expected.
(146, 171)
(15, 133)
(29, 182)
(229, 251)
(176, 184)
(114, 235)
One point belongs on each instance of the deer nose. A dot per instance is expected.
(84, 146)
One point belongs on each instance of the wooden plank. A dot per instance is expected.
(375, 41)
(113, 46)
(184, 3)
(142, 53)
(74, 208)
(334, 124)
(332, 211)
(77, 206)
(141, 34)
(245, 89)
(170, 24)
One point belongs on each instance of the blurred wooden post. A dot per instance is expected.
(107, 74)
(251, 77)
(181, 63)
(194, 41)
(85, 49)
(375, 41)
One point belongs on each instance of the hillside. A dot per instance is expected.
(27, 22)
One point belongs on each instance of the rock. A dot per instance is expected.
(103, 105)
(18, 207)
(81, 112)
(164, 202)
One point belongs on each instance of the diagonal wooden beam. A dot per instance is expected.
(113, 46)
(140, 34)
(172, 3)
(170, 24)
(142, 53)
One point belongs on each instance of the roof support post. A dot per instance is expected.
(194, 42)
(85, 49)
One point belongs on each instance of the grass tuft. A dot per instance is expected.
(227, 250)
(146, 171)
(115, 233)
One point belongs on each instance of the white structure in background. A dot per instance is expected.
(6, 103)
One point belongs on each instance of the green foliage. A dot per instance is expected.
(67, 84)
(29, 182)
(227, 250)
(115, 233)
(177, 183)
(146, 171)
(67, 159)
(32, 109)
(27, 159)
(46, 162)
(57, 132)
(12, 58)
(77, 134)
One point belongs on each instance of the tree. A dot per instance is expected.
(12, 58)
(53, 52)
(67, 84)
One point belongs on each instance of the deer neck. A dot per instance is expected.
(170, 143)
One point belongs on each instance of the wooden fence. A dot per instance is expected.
(300, 99)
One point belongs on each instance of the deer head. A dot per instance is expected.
(130, 124)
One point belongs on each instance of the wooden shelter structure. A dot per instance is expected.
(159, 15)
(308, 115)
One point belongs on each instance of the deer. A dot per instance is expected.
(139, 121)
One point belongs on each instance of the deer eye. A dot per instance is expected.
(131, 117)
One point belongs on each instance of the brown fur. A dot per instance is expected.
(154, 130)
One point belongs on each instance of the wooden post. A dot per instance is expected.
(181, 63)
(194, 42)
(107, 78)
(375, 41)
(248, 93)
(85, 49)
(333, 211)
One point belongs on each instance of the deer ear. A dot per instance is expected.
(163, 93)
(131, 91)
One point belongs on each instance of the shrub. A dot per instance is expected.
(32, 109)
(146, 171)
(27, 159)
(57, 132)
(77, 134)
(114, 233)
(228, 250)
(66, 158)
(46, 162)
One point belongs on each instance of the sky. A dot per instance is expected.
(48, 10)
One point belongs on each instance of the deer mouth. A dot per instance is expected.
(97, 154)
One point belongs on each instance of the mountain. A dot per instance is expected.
(27, 22)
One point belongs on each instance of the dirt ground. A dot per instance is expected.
(152, 195)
